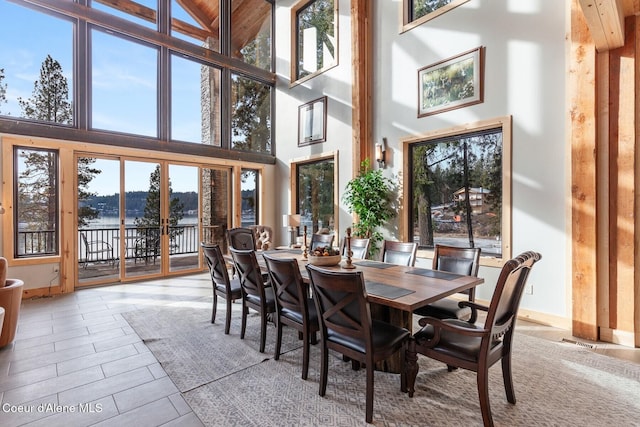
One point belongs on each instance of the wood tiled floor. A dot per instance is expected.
(78, 348)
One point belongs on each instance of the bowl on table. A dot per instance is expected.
(325, 260)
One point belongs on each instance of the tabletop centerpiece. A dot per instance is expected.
(325, 256)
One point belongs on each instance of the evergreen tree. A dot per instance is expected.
(149, 224)
(50, 98)
(3, 89)
(86, 173)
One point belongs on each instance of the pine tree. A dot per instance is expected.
(50, 97)
(3, 89)
(85, 174)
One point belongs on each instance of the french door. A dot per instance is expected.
(143, 219)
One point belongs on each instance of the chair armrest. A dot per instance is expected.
(474, 309)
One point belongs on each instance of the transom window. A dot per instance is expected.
(416, 12)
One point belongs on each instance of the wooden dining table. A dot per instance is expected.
(393, 291)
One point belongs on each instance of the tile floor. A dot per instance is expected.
(78, 348)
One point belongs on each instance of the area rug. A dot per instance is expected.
(556, 384)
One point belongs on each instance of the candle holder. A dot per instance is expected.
(304, 244)
(348, 265)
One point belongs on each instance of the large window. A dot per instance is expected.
(36, 65)
(315, 34)
(460, 189)
(251, 32)
(157, 72)
(315, 194)
(124, 85)
(250, 115)
(36, 202)
(195, 94)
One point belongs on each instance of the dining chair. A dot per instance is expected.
(347, 328)
(452, 259)
(401, 253)
(359, 247)
(465, 345)
(241, 238)
(255, 294)
(294, 307)
(223, 286)
(321, 239)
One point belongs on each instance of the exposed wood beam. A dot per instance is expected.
(605, 19)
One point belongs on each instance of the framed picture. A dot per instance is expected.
(312, 122)
(452, 83)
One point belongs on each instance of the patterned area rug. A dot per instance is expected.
(227, 382)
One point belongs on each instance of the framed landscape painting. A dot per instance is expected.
(452, 83)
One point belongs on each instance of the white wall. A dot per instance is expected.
(524, 77)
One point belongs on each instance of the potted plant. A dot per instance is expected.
(368, 195)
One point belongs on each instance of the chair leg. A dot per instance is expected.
(305, 354)
(243, 326)
(508, 379)
(369, 398)
(403, 370)
(263, 331)
(483, 395)
(276, 354)
(411, 366)
(214, 307)
(324, 366)
(227, 322)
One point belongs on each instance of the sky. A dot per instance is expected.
(124, 80)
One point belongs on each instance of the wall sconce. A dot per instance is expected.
(291, 221)
(381, 149)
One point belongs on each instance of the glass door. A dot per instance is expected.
(98, 234)
(183, 228)
(141, 219)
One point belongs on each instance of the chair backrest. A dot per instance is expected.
(359, 247)
(401, 253)
(318, 239)
(465, 261)
(290, 290)
(248, 272)
(241, 238)
(217, 265)
(506, 297)
(342, 305)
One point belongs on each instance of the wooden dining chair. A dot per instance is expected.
(347, 328)
(241, 238)
(401, 253)
(255, 294)
(359, 247)
(452, 259)
(294, 307)
(223, 286)
(320, 239)
(466, 345)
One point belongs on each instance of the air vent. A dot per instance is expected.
(581, 344)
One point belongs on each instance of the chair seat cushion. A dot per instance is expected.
(446, 308)
(296, 316)
(385, 335)
(458, 345)
(270, 300)
(236, 289)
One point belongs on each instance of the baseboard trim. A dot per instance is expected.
(615, 336)
(41, 292)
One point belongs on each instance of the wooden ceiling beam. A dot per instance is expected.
(605, 19)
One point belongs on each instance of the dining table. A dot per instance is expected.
(394, 291)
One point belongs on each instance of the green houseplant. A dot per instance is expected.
(368, 195)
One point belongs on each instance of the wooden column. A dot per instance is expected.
(582, 125)
(361, 95)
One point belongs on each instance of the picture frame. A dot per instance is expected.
(312, 122)
(452, 83)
